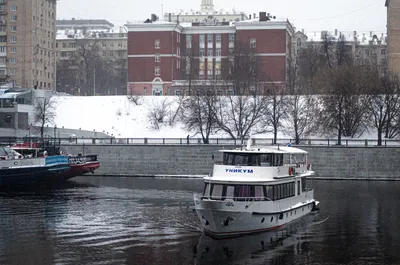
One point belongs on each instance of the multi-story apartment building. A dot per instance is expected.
(27, 42)
(367, 48)
(159, 53)
(393, 31)
(97, 44)
(206, 10)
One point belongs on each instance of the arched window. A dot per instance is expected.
(298, 43)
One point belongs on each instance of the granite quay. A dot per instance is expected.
(352, 162)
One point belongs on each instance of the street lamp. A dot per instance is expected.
(55, 129)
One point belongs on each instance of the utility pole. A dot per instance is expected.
(94, 78)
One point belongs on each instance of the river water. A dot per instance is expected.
(94, 220)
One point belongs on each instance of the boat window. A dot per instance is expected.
(298, 187)
(259, 193)
(234, 159)
(269, 192)
(207, 190)
(303, 184)
(242, 192)
(266, 160)
(277, 160)
(230, 192)
(216, 192)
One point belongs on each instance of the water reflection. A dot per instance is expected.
(147, 221)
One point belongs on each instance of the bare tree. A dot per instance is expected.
(44, 113)
(300, 107)
(384, 103)
(198, 114)
(344, 103)
(275, 110)
(307, 65)
(242, 110)
(165, 112)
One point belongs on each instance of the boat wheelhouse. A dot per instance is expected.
(255, 189)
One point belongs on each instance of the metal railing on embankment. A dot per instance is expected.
(29, 142)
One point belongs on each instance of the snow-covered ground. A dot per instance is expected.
(119, 117)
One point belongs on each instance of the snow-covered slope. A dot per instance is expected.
(118, 116)
(112, 114)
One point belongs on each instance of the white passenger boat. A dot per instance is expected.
(255, 189)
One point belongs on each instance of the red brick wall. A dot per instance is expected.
(268, 41)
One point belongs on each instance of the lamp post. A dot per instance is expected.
(55, 129)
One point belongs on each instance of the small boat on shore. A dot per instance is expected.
(255, 189)
(16, 169)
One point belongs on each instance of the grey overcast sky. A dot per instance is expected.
(311, 15)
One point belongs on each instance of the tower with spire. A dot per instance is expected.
(207, 5)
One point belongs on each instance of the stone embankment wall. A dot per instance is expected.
(185, 160)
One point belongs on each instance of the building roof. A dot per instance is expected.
(362, 38)
(80, 22)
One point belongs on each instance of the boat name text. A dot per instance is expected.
(243, 171)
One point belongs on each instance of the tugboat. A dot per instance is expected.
(16, 169)
(255, 189)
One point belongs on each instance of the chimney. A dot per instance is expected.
(302, 31)
(263, 16)
(249, 16)
(254, 15)
(370, 33)
(169, 17)
(335, 32)
(177, 19)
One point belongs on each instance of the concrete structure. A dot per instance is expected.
(17, 107)
(27, 42)
(393, 31)
(162, 54)
(206, 10)
(106, 49)
(328, 162)
(367, 48)
(84, 24)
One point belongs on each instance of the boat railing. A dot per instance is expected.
(227, 199)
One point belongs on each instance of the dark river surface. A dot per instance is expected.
(94, 220)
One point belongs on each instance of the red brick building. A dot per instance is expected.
(164, 57)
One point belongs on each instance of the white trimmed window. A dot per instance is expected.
(218, 52)
(13, 28)
(13, 50)
(157, 58)
(218, 38)
(157, 44)
(13, 7)
(157, 71)
(231, 37)
(209, 52)
(13, 18)
(13, 39)
(12, 71)
(12, 60)
(253, 43)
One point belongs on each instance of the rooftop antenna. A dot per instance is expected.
(162, 12)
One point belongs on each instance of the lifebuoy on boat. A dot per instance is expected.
(290, 171)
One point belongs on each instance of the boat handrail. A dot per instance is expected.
(222, 198)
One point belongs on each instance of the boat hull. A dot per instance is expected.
(81, 169)
(35, 170)
(220, 219)
(30, 175)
